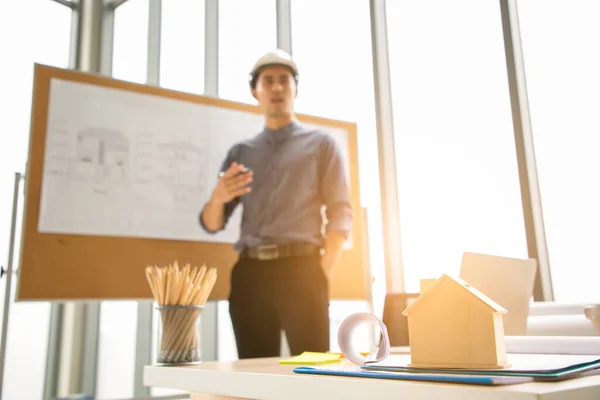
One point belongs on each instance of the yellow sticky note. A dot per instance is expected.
(313, 358)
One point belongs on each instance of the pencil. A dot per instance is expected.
(181, 293)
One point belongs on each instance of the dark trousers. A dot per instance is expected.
(267, 296)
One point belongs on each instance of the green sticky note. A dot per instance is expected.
(312, 358)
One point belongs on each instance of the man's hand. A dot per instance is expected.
(232, 183)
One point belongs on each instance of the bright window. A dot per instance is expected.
(331, 43)
(26, 37)
(455, 152)
(130, 44)
(247, 30)
(562, 67)
(182, 45)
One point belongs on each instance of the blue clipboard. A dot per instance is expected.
(357, 372)
(557, 374)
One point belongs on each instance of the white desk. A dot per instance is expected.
(265, 379)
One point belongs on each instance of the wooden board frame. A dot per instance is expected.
(59, 267)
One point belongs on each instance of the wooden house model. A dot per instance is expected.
(453, 325)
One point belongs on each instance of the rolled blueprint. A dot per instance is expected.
(582, 345)
(346, 331)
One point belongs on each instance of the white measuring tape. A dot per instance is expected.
(346, 331)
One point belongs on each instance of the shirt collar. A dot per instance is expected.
(279, 135)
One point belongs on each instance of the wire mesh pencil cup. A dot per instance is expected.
(180, 337)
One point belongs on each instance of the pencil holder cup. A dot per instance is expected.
(179, 341)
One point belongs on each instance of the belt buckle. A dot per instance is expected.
(267, 252)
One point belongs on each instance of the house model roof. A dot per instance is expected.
(476, 294)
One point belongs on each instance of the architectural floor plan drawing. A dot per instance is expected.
(56, 160)
(99, 155)
(143, 150)
(120, 163)
(101, 146)
(180, 174)
(101, 159)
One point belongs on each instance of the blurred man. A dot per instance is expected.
(282, 177)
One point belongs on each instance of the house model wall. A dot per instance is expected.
(453, 325)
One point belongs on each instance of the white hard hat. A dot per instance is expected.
(272, 58)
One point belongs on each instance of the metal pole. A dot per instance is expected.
(209, 319)
(284, 25)
(53, 352)
(9, 273)
(143, 343)
(390, 210)
(154, 35)
(78, 358)
(530, 190)
(211, 48)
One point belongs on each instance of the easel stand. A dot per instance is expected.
(9, 274)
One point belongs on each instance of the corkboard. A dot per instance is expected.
(61, 267)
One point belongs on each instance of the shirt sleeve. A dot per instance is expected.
(335, 189)
(229, 207)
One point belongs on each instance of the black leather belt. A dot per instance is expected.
(275, 251)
